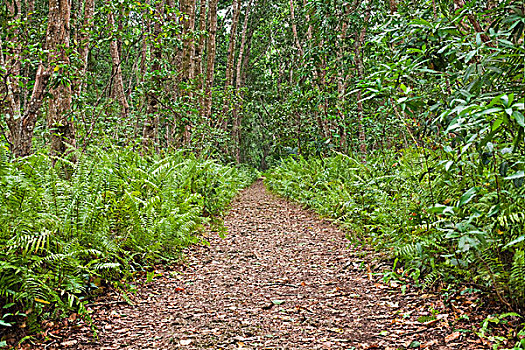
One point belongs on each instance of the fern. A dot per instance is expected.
(115, 213)
(393, 200)
(517, 277)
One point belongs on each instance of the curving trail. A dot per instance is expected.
(281, 279)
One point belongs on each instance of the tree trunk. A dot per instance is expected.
(475, 24)
(9, 85)
(199, 47)
(210, 59)
(62, 133)
(116, 76)
(149, 131)
(341, 79)
(85, 35)
(188, 47)
(188, 59)
(236, 115)
(230, 63)
(360, 74)
(294, 29)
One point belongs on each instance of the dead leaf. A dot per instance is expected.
(69, 343)
(452, 337)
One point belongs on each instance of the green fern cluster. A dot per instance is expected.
(112, 215)
(449, 221)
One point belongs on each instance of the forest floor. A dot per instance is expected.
(281, 279)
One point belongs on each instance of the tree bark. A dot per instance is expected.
(9, 85)
(341, 87)
(475, 24)
(85, 36)
(116, 76)
(188, 8)
(360, 74)
(62, 133)
(210, 59)
(230, 63)
(188, 55)
(236, 115)
(150, 129)
(199, 47)
(294, 29)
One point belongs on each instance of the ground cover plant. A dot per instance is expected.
(116, 213)
(444, 227)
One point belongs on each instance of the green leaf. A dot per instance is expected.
(478, 39)
(491, 110)
(469, 56)
(497, 124)
(516, 175)
(278, 302)
(414, 344)
(5, 324)
(514, 242)
(519, 118)
(468, 196)
(441, 209)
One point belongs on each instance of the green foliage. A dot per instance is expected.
(118, 213)
(442, 222)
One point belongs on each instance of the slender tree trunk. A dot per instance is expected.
(230, 63)
(85, 36)
(341, 79)
(116, 76)
(294, 29)
(393, 6)
(188, 55)
(210, 59)
(62, 133)
(360, 75)
(10, 85)
(236, 132)
(150, 129)
(199, 47)
(188, 58)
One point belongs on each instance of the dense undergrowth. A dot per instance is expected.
(113, 213)
(445, 224)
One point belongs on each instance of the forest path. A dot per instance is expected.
(281, 279)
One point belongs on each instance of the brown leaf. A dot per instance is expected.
(452, 337)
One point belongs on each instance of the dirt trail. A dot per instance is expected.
(281, 279)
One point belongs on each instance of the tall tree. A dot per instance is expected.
(228, 85)
(10, 85)
(199, 46)
(60, 125)
(211, 53)
(117, 80)
(151, 123)
(359, 40)
(236, 130)
(84, 40)
(188, 60)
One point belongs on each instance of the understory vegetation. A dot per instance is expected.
(116, 213)
(445, 224)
